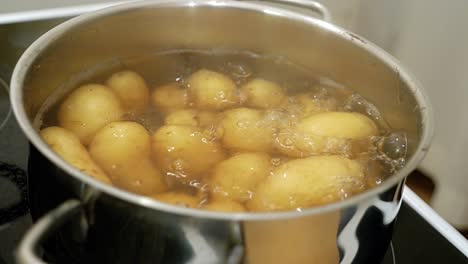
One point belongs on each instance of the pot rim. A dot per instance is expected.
(42, 43)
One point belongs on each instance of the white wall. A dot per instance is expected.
(430, 38)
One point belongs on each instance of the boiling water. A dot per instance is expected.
(384, 154)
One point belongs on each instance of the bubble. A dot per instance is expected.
(170, 149)
(394, 145)
(275, 161)
(357, 103)
(288, 142)
(220, 95)
(195, 183)
(178, 165)
(243, 123)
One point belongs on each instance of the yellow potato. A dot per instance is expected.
(123, 149)
(182, 117)
(169, 97)
(260, 93)
(223, 205)
(298, 144)
(210, 90)
(307, 182)
(191, 117)
(324, 133)
(87, 109)
(246, 129)
(338, 124)
(177, 198)
(69, 148)
(305, 104)
(237, 177)
(131, 89)
(185, 151)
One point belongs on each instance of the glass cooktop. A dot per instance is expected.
(420, 235)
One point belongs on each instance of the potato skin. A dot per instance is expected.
(260, 93)
(169, 97)
(339, 124)
(306, 104)
(244, 129)
(131, 89)
(185, 151)
(236, 178)
(211, 90)
(224, 205)
(307, 182)
(87, 109)
(324, 133)
(177, 198)
(122, 149)
(69, 148)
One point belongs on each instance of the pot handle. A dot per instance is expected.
(45, 226)
(313, 6)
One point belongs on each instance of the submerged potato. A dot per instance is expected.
(324, 133)
(131, 89)
(261, 93)
(223, 205)
(211, 90)
(308, 182)
(307, 104)
(87, 109)
(185, 151)
(69, 148)
(236, 178)
(338, 124)
(178, 198)
(169, 97)
(182, 117)
(245, 129)
(122, 149)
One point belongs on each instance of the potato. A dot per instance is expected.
(69, 148)
(339, 124)
(298, 144)
(177, 198)
(237, 177)
(210, 90)
(307, 182)
(87, 109)
(324, 133)
(191, 117)
(208, 121)
(123, 150)
(306, 104)
(131, 89)
(182, 117)
(184, 151)
(261, 93)
(224, 205)
(169, 97)
(246, 129)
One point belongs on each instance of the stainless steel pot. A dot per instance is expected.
(121, 227)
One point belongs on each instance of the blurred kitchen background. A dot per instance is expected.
(431, 39)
